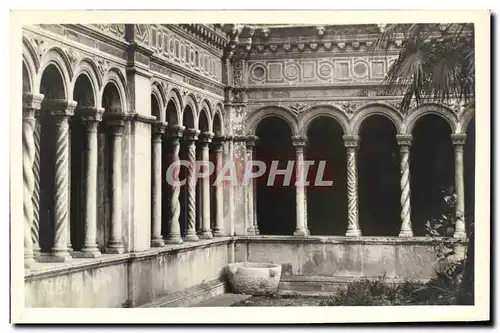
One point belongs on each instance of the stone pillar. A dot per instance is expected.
(250, 144)
(174, 235)
(351, 144)
(230, 189)
(219, 199)
(35, 227)
(91, 118)
(206, 233)
(31, 103)
(156, 195)
(61, 110)
(115, 242)
(190, 136)
(404, 142)
(458, 144)
(299, 143)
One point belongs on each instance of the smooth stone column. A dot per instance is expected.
(219, 199)
(31, 103)
(156, 185)
(174, 235)
(458, 144)
(404, 142)
(206, 232)
(250, 144)
(299, 143)
(91, 118)
(115, 242)
(190, 136)
(351, 144)
(60, 110)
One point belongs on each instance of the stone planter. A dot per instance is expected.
(253, 278)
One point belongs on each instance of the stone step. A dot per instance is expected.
(222, 300)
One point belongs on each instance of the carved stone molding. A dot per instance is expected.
(350, 140)
(298, 108)
(299, 141)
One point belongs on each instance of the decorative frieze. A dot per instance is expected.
(115, 30)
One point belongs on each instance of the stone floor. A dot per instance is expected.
(223, 300)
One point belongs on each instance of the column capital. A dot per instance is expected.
(191, 134)
(251, 140)
(32, 102)
(90, 113)
(206, 137)
(219, 139)
(299, 141)
(404, 139)
(175, 131)
(458, 139)
(60, 107)
(159, 127)
(350, 141)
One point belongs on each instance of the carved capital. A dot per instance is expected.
(251, 140)
(404, 140)
(32, 102)
(206, 137)
(191, 135)
(350, 141)
(175, 131)
(60, 107)
(217, 142)
(159, 127)
(90, 114)
(299, 141)
(458, 139)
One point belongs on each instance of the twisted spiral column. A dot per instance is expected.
(250, 144)
(115, 242)
(206, 232)
(156, 200)
(299, 143)
(174, 236)
(35, 199)
(219, 200)
(351, 143)
(29, 107)
(191, 135)
(61, 110)
(404, 142)
(458, 144)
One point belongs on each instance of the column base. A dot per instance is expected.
(300, 233)
(406, 233)
(353, 233)
(218, 233)
(191, 237)
(55, 257)
(115, 249)
(157, 242)
(459, 235)
(206, 235)
(174, 240)
(87, 253)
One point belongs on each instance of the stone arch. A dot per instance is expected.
(157, 92)
(57, 58)
(190, 100)
(87, 67)
(114, 76)
(325, 110)
(377, 108)
(30, 66)
(430, 108)
(252, 121)
(174, 107)
(465, 120)
(218, 120)
(206, 109)
(189, 117)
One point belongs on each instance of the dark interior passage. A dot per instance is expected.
(432, 172)
(275, 204)
(378, 178)
(326, 205)
(470, 171)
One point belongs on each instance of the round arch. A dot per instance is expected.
(431, 108)
(218, 115)
(465, 120)
(382, 109)
(30, 62)
(325, 110)
(191, 101)
(57, 58)
(156, 91)
(173, 102)
(252, 121)
(87, 67)
(208, 116)
(115, 77)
